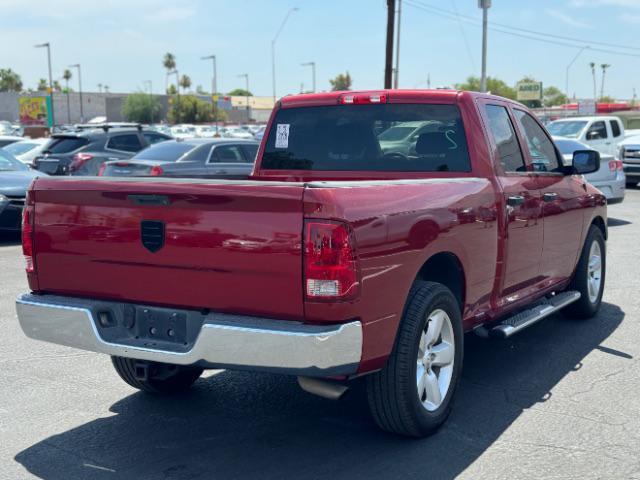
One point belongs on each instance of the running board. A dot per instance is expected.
(526, 318)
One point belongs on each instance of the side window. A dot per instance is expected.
(198, 155)
(543, 153)
(228, 154)
(126, 143)
(153, 137)
(505, 138)
(250, 152)
(597, 131)
(615, 128)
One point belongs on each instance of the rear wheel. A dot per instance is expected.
(589, 276)
(154, 377)
(412, 394)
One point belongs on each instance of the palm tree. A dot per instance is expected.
(593, 73)
(106, 88)
(100, 87)
(67, 76)
(168, 62)
(185, 82)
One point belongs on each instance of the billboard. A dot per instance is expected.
(529, 91)
(587, 107)
(34, 111)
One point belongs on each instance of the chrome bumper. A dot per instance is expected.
(223, 341)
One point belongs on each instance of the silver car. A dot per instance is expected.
(609, 179)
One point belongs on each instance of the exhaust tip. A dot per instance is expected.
(323, 388)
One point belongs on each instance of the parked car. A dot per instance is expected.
(183, 131)
(84, 151)
(402, 138)
(629, 154)
(335, 261)
(9, 139)
(237, 132)
(26, 150)
(599, 132)
(15, 178)
(193, 158)
(609, 179)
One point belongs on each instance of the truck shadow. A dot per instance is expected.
(8, 239)
(244, 425)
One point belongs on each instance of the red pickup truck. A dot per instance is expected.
(376, 229)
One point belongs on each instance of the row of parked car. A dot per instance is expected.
(211, 151)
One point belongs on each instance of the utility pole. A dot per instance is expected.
(77, 65)
(395, 77)
(148, 82)
(388, 63)
(593, 74)
(48, 47)
(273, 50)
(484, 5)
(604, 67)
(313, 73)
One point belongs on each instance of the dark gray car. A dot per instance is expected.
(190, 158)
(83, 152)
(15, 178)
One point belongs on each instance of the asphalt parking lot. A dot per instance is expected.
(560, 400)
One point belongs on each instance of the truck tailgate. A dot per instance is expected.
(223, 245)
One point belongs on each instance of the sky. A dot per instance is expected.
(121, 43)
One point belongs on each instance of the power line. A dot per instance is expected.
(528, 34)
(464, 36)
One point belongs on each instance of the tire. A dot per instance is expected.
(392, 392)
(162, 378)
(583, 278)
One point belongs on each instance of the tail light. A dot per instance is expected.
(103, 167)
(79, 159)
(616, 165)
(28, 218)
(330, 261)
(156, 171)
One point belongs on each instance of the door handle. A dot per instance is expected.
(549, 197)
(515, 200)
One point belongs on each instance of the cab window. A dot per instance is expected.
(597, 131)
(505, 139)
(541, 149)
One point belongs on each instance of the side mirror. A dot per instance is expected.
(593, 135)
(585, 161)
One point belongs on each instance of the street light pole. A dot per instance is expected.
(145, 83)
(246, 77)
(484, 5)
(395, 77)
(214, 87)
(313, 73)
(53, 118)
(77, 65)
(566, 84)
(273, 50)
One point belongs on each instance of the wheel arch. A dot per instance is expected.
(599, 222)
(445, 268)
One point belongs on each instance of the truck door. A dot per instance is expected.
(562, 201)
(597, 136)
(522, 244)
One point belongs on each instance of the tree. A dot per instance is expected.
(607, 99)
(553, 96)
(185, 82)
(494, 85)
(190, 109)
(341, 82)
(141, 107)
(67, 76)
(56, 86)
(43, 85)
(168, 62)
(172, 90)
(239, 92)
(10, 81)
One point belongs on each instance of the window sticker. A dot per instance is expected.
(282, 135)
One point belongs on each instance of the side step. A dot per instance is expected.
(526, 318)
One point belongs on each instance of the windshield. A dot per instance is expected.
(19, 148)
(345, 137)
(8, 163)
(567, 147)
(169, 151)
(569, 129)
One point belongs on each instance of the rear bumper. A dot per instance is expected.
(221, 341)
(613, 190)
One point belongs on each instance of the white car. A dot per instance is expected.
(629, 153)
(601, 133)
(9, 139)
(238, 132)
(183, 131)
(609, 179)
(26, 150)
(206, 131)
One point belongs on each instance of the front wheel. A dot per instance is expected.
(412, 394)
(589, 276)
(154, 377)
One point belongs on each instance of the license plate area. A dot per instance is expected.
(160, 325)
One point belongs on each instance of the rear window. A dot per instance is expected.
(66, 144)
(165, 151)
(19, 148)
(424, 138)
(125, 143)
